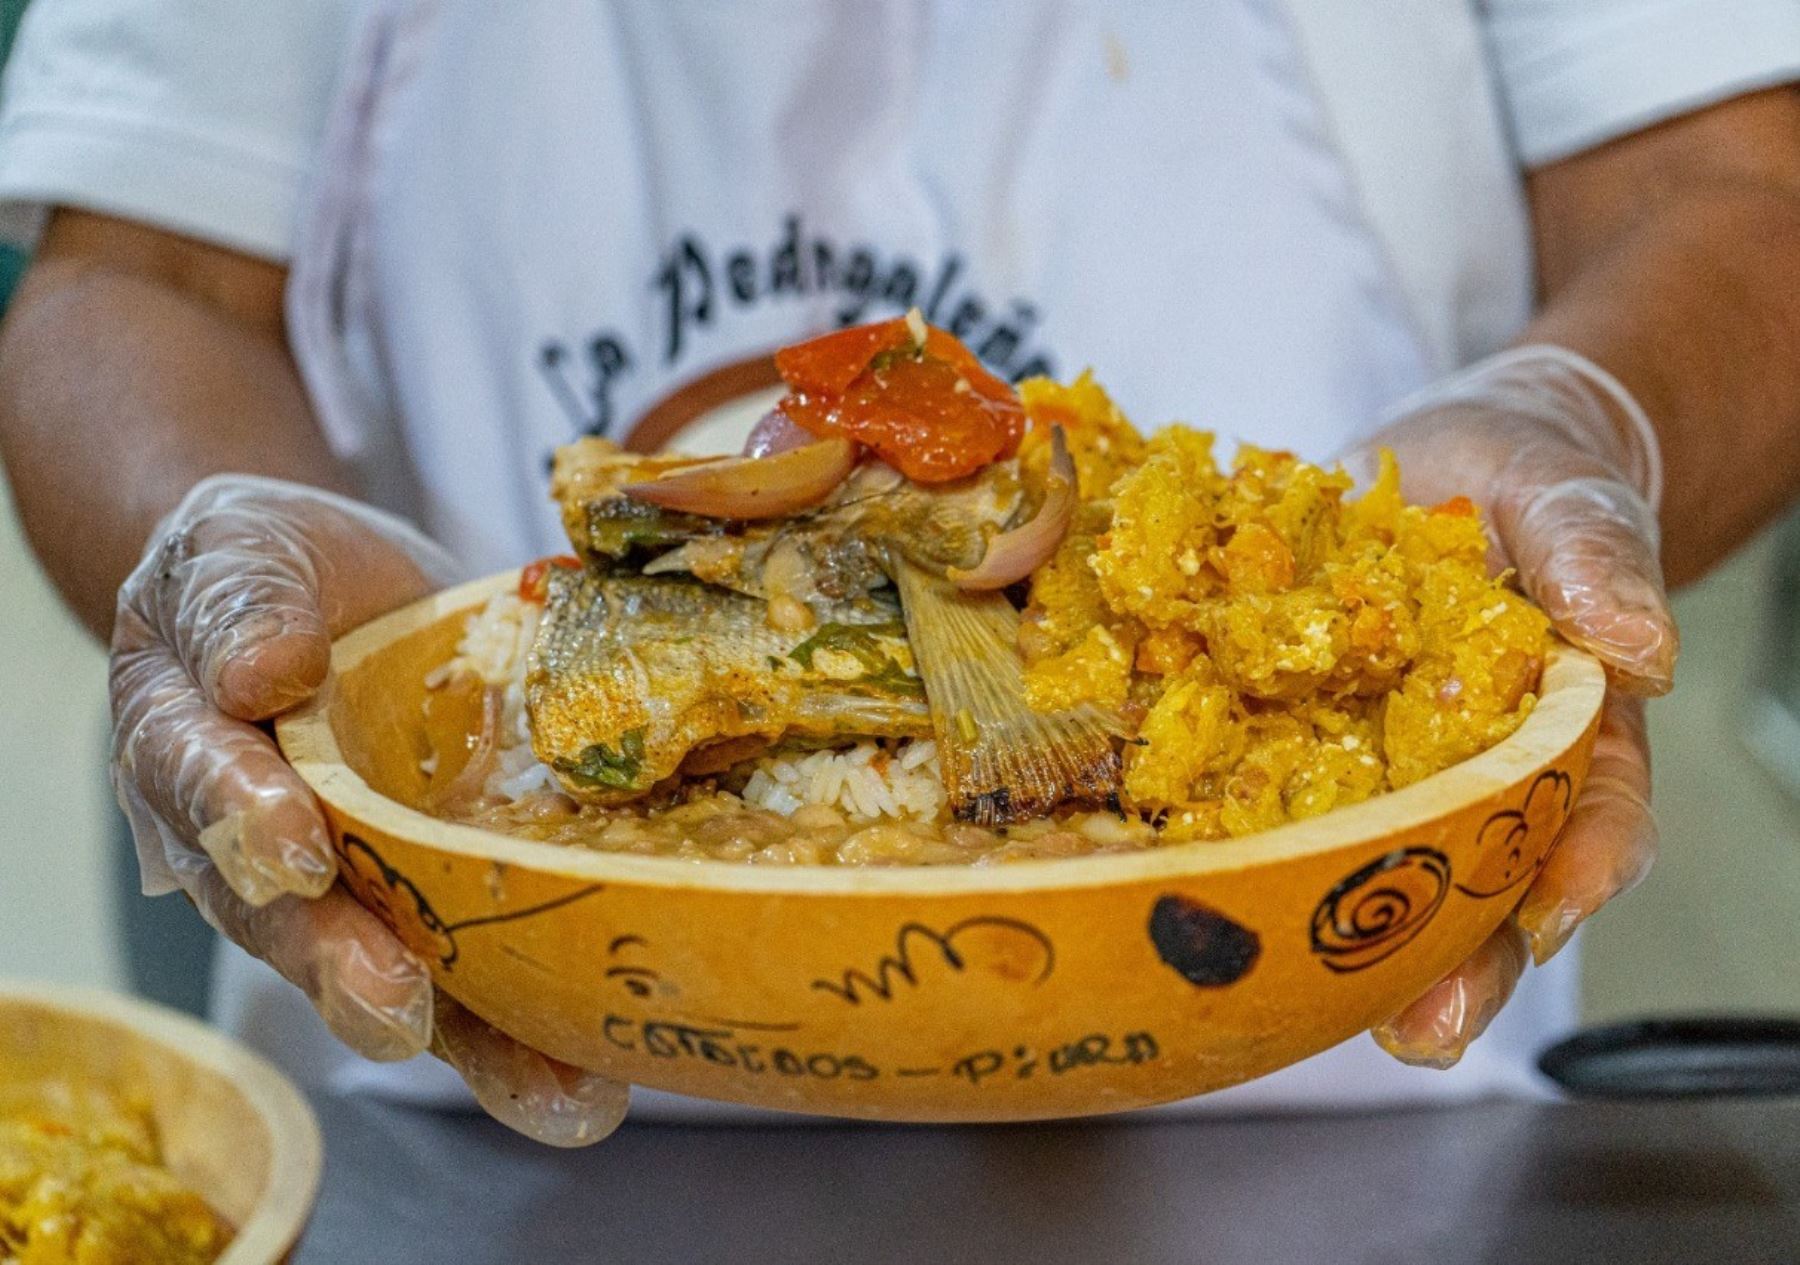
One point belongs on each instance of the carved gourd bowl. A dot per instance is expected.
(1024, 991)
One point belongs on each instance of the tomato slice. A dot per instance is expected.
(827, 365)
(534, 580)
(930, 410)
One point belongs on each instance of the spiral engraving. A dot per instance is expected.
(1380, 908)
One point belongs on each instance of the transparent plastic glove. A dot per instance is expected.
(227, 621)
(1566, 467)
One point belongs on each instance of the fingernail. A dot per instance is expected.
(230, 662)
(259, 670)
(589, 1108)
(310, 868)
(552, 1102)
(256, 883)
(247, 690)
(382, 1011)
(261, 867)
(1633, 592)
(1549, 928)
(1433, 1052)
(1638, 636)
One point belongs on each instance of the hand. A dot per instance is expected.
(227, 621)
(1566, 467)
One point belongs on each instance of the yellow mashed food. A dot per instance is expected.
(1271, 647)
(1276, 649)
(82, 1183)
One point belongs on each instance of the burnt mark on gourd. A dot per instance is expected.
(1376, 911)
(1202, 945)
(1015, 951)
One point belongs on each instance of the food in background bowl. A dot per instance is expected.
(987, 628)
(131, 1134)
(82, 1180)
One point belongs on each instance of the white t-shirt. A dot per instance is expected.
(1275, 218)
(203, 116)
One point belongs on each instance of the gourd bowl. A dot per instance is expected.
(1022, 991)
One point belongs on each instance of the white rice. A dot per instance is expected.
(865, 782)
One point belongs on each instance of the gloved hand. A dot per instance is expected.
(1566, 467)
(227, 621)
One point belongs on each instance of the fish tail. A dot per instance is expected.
(1002, 762)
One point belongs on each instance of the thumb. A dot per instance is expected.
(1586, 551)
(252, 578)
(232, 590)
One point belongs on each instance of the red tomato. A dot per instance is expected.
(932, 412)
(534, 580)
(827, 365)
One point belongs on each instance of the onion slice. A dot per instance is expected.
(776, 433)
(1015, 554)
(752, 487)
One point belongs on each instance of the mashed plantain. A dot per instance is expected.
(82, 1183)
(1276, 648)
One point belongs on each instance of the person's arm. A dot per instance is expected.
(134, 363)
(1672, 258)
(171, 477)
(1669, 339)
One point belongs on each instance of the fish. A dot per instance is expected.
(830, 553)
(878, 534)
(605, 526)
(633, 677)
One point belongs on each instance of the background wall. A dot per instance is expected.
(1713, 926)
(56, 901)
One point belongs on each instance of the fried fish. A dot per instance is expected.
(632, 675)
(767, 586)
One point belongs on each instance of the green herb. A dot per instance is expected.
(881, 672)
(600, 765)
(893, 679)
(856, 639)
(887, 359)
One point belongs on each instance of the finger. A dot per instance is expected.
(192, 780)
(1610, 840)
(1437, 1028)
(231, 588)
(553, 1102)
(1586, 552)
(251, 579)
(373, 994)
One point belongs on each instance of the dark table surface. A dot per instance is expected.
(1502, 1182)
